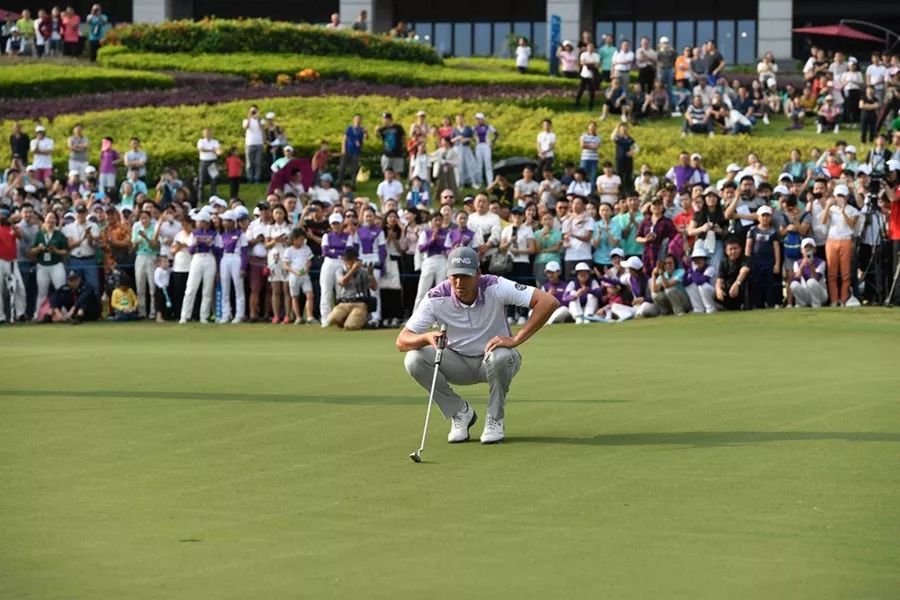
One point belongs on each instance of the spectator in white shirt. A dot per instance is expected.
(622, 62)
(390, 188)
(841, 218)
(578, 230)
(546, 145)
(209, 151)
(253, 144)
(876, 75)
(590, 74)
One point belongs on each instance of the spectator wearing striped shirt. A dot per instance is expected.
(590, 146)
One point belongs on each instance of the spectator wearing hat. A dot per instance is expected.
(667, 288)
(666, 56)
(699, 279)
(636, 294)
(807, 278)
(355, 284)
(763, 247)
(74, 301)
(582, 295)
(485, 137)
(554, 285)
(568, 60)
(78, 150)
(209, 150)
(334, 243)
(393, 144)
(50, 249)
(655, 233)
(840, 217)
(233, 267)
(202, 244)
(731, 279)
(42, 155)
(84, 238)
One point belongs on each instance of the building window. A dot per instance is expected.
(684, 34)
(725, 40)
(501, 31)
(643, 29)
(462, 39)
(602, 28)
(746, 42)
(443, 38)
(540, 39)
(624, 31)
(483, 39)
(706, 31)
(665, 28)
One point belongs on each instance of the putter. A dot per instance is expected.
(416, 456)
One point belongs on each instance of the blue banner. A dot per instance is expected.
(555, 40)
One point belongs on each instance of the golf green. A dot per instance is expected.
(748, 455)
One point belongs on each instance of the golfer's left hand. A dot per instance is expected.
(500, 341)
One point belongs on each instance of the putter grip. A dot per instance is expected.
(442, 343)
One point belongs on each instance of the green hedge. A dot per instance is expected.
(267, 67)
(30, 79)
(170, 134)
(225, 36)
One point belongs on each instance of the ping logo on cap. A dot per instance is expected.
(461, 259)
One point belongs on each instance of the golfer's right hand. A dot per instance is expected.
(433, 338)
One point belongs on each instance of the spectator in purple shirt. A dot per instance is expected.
(433, 247)
(582, 294)
(333, 245)
(203, 244)
(654, 232)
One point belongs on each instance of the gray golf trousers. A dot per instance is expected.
(496, 368)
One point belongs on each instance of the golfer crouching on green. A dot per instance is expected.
(480, 346)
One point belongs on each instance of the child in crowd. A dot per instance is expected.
(417, 197)
(296, 262)
(161, 276)
(320, 160)
(763, 248)
(523, 54)
(235, 167)
(123, 304)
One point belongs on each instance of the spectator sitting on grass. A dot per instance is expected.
(617, 101)
(74, 302)
(698, 282)
(123, 304)
(808, 287)
(667, 288)
(731, 286)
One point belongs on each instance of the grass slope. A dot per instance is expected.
(33, 78)
(738, 456)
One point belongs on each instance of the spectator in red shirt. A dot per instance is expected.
(235, 167)
(71, 32)
(893, 179)
(9, 237)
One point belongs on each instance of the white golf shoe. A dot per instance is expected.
(462, 421)
(493, 430)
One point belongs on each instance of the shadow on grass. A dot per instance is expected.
(710, 439)
(351, 399)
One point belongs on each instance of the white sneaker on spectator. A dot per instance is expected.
(837, 128)
(462, 422)
(818, 128)
(521, 321)
(493, 430)
(182, 322)
(324, 323)
(236, 320)
(766, 119)
(510, 320)
(676, 113)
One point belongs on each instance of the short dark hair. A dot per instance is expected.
(733, 240)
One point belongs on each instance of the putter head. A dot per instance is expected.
(414, 456)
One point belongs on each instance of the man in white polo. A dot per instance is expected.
(480, 346)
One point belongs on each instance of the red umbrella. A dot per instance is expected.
(839, 30)
(8, 13)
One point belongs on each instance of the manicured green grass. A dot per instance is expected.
(267, 67)
(734, 456)
(30, 78)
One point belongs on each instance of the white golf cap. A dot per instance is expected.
(420, 113)
(634, 263)
(567, 43)
(582, 266)
(852, 59)
(696, 156)
(335, 218)
(699, 252)
(241, 211)
(270, 115)
(229, 215)
(711, 190)
(30, 189)
(479, 116)
(617, 252)
(851, 148)
(841, 190)
(29, 167)
(781, 189)
(764, 210)
(663, 40)
(784, 176)
(808, 242)
(217, 201)
(864, 169)
(893, 165)
(73, 173)
(552, 267)
(733, 168)
(202, 215)
(288, 148)
(90, 169)
(40, 128)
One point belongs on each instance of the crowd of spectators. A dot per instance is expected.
(57, 32)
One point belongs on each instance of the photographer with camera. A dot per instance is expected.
(354, 285)
(840, 217)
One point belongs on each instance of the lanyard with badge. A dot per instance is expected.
(47, 255)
